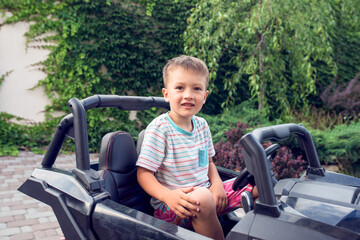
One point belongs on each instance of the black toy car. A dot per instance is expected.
(111, 205)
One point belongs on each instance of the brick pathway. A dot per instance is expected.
(22, 217)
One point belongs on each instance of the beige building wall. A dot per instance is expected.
(16, 96)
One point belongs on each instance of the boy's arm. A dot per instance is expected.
(217, 187)
(178, 200)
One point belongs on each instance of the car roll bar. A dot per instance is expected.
(124, 102)
(256, 161)
(74, 125)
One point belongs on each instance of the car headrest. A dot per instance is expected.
(117, 152)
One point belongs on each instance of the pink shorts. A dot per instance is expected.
(234, 201)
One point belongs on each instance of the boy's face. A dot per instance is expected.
(186, 92)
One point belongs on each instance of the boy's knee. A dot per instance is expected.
(206, 200)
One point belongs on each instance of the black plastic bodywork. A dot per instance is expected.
(319, 205)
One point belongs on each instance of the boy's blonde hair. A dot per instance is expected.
(188, 63)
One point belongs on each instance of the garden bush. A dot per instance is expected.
(245, 112)
(341, 146)
(37, 136)
(12, 135)
(15, 136)
(228, 153)
(286, 164)
(319, 118)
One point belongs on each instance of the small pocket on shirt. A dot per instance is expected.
(203, 157)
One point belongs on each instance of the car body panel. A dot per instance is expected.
(319, 205)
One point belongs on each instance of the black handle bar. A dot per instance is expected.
(283, 131)
(256, 161)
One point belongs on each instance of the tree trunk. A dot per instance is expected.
(261, 69)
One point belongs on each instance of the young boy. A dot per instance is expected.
(175, 165)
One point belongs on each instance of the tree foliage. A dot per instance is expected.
(102, 47)
(346, 46)
(276, 46)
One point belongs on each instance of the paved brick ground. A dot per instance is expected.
(22, 217)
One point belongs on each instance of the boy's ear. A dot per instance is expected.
(166, 95)
(206, 94)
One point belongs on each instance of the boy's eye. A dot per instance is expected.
(197, 89)
(179, 88)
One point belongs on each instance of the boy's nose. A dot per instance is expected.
(188, 94)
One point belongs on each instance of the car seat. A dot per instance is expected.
(117, 161)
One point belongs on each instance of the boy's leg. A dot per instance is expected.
(206, 221)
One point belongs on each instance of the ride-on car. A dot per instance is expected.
(102, 200)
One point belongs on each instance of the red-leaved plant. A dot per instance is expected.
(229, 155)
(285, 164)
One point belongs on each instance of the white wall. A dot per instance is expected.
(15, 94)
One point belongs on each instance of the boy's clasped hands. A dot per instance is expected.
(181, 202)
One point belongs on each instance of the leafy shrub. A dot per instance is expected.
(229, 155)
(340, 145)
(102, 121)
(219, 125)
(318, 118)
(245, 112)
(12, 135)
(286, 165)
(15, 137)
(229, 152)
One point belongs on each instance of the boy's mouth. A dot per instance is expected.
(187, 105)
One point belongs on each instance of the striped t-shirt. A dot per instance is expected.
(179, 158)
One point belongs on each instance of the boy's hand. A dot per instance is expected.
(181, 203)
(219, 194)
